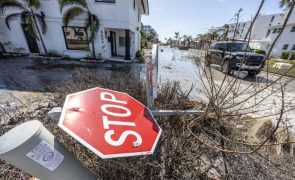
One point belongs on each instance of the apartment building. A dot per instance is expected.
(118, 35)
(264, 32)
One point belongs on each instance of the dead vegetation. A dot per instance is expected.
(218, 144)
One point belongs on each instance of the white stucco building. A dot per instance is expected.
(265, 30)
(118, 35)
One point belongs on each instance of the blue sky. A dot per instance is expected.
(193, 17)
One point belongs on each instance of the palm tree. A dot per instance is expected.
(189, 40)
(79, 7)
(290, 5)
(256, 16)
(214, 35)
(177, 37)
(236, 19)
(226, 30)
(170, 41)
(184, 37)
(28, 16)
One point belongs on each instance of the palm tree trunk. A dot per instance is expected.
(92, 40)
(277, 38)
(93, 49)
(256, 16)
(39, 33)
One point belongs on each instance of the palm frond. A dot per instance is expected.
(64, 3)
(24, 16)
(10, 18)
(41, 21)
(34, 3)
(71, 13)
(88, 20)
(10, 4)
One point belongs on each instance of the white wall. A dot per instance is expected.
(15, 36)
(119, 15)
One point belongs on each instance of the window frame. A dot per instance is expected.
(124, 43)
(65, 38)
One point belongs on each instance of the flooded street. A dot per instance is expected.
(25, 78)
(177, 65)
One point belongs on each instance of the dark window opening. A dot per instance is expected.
(134, 4)
(76, 38)
(275, 31)
(267, 34)
(293, 48)
(279, 30)
(293, 29)
(285, 47)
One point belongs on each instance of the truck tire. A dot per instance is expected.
(252, 73)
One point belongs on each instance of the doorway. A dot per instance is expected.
(31, 41)
(113, 43)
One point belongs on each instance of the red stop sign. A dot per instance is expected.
(110, 123)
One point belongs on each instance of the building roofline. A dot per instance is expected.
(145, 6)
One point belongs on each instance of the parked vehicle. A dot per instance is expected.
(234, 55)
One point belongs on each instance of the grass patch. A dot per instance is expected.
(271, 62)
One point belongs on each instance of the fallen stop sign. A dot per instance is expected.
(110, 123)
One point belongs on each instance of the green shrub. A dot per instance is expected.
(292, 56)
(52, 53)
(260, 51)
(285, 55)
(139, 54)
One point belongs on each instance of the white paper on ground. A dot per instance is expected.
(46, 156)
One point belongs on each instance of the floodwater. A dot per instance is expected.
(176, 65)
(179, 65)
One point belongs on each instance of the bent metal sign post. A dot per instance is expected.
(110, 123)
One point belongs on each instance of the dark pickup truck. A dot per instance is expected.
(234, 55)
